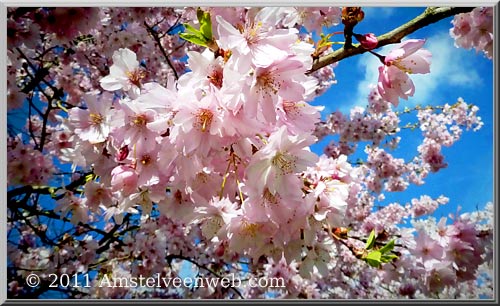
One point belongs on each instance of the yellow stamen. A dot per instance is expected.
(140, 120)
(204, 119)
(136, 76)
(146, 159)
(285, 162)
(250, 229)
(96, 119)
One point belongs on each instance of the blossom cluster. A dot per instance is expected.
(474, 30)
(244, 128)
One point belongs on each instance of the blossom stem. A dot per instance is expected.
(262, 138)
(239, 190)
(380, 57)
(225, 179)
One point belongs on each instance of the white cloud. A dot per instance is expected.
(449, 67)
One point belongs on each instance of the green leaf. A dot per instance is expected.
(374, 259)
(370, 242)
(388, 258)
(191, 29)
(195, 39)
(205, 24)
(388, 247)
(199, 14)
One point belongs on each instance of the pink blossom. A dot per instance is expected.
(131, 124)
(298, 116)
(409, 57)
(205, 69)
(147, 166)
(124, 179)
(74, 205)
(316, 260)
(92, 124)
(276, 163)
(311, 18)
(283, 78)
(271, 207)
(25, 165)
(329, 180)
(144, 198)
(406, 58)
(427, 248)
(474, 30)
(97, 194)
(125, 73)
(431, 155)
(394, 83)
(198, 124)
(245, 235)
(440, 276)
(264, 43)
(214, 216)
(177, 206)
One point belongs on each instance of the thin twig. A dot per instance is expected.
(156, 38)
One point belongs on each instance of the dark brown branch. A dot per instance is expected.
(39, 77)
(429, 16)
(156, 38)
(29, 189)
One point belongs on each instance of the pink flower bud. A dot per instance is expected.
(219, 251)
(122, 153)
(368, 41)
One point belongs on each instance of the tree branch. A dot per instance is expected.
(156, 38)
(30, 189)
(429, 16)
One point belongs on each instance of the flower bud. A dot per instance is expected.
(368, 41)
(122, 153)
(352, 15)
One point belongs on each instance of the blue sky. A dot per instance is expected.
(455, 72)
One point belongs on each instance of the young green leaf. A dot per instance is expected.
(199, 14)
(189, 28)
(388, 247)
(388, 258)
(205, 24)
(371, 240)
(374, 259)
(195, 39)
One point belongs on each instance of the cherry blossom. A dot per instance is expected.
(406, 58)
(125, 72)
(276, 163)
(92, 124)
